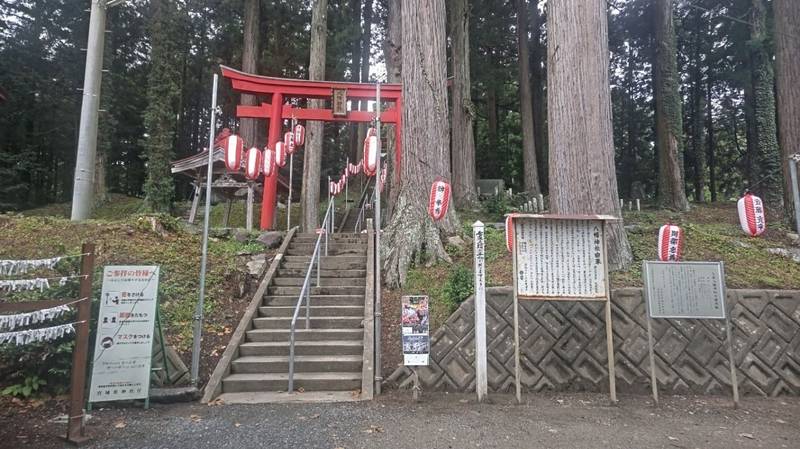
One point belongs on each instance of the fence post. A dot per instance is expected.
(76, 432)
(481, 378)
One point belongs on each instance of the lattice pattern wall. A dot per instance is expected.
(563, 347)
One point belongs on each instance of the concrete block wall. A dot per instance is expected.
(563, 347)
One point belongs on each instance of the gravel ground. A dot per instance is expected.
(457, 421)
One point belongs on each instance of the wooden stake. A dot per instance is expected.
(76, 432)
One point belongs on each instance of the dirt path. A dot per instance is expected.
(455, 421)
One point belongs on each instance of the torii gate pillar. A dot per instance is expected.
(270, 196)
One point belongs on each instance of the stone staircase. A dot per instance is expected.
(329, 355)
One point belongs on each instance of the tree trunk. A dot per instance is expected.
(582, 175)
(392, 47)
(355, 76)
(493, 164)
(252, 18)
(411, 235)
(530, 172)
(669, 123)
(698, 152)
(463, 143)
(366, 46)
(787, 64)
(312, 160)
(711, 149)
(768, 164)
(538, 53)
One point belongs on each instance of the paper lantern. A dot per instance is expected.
(268, 162)
(288, 142)
(280, 154)
(439, 200)
(299, 135)
(233, 152)
(331, 188)
(670, 243)
(371, 149)
(510, 232)
(751, 215)
(252, 163)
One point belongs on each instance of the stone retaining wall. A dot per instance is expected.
(563, 347)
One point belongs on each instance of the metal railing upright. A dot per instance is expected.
(305, 291)
(367, 199)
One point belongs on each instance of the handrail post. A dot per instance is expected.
(291, 361)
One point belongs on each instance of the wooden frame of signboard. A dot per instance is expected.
(596, 255)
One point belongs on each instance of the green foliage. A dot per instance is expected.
(458, 287)
(26, 389)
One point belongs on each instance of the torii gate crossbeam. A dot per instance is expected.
(283, 89)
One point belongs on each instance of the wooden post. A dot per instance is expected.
(481, 381)
(226, 217)
(516, 324)
(250, 192)
(195, 202)
(76, 432)
(638, 205)
(612, 371)
(541, 202)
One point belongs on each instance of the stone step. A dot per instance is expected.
(334, 290)
(337, 381)
(325, 273)
(303, 334)
(302, 364)
(323, 281)
(316, 311)
(335, 236)
(317, 300)
(332, 251)
(327, 264)
(328, 347)
(332, 322)
(331, 241)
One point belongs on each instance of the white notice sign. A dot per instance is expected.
(124, 344)
(560, 258)
(685, 289)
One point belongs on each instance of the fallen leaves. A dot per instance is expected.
(120, 425)
(373, 429)
(217, 401)
(749, 436)
(195, 418)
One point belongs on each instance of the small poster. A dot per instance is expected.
(125, 325)
(416, 330)
(685, 289)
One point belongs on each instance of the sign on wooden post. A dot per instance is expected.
(686, 290)
(561, 258)
(125, 325)
(339, 102)
(481, 378)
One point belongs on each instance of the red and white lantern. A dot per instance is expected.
(268, 162)
(510, 232)
(299, 135)
(439, 200)
(252, 166)
(233, 152)
(751, 215)
(331, 188)
(288, 142)
(371, 149)
(280, 154)
(670, 243)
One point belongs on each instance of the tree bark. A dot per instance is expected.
(711, 150)
(366, 46)
(493, 165)
(252, 18)
(538, 54)
(669, 122)
(411, 234)
(463, 143)
(392, 51)
(767, 156)
(698, 151)
(582, 175)
(787, 65)
(530, 172)
(312, 161)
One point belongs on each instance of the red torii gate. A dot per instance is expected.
(282, 89)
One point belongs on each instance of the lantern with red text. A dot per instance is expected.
(233, 152)
(252, 166)
(670, 243)
(288, 143)
(268, 162)
(439, 200)
(510, 232)
(299, 135)
(280, 154)
(371, 149)
(751, 215)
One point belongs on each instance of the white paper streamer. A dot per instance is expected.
(15, 285)
(11, 322)
(11, 267)
(36, 335)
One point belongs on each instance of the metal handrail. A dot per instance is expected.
(326, 228)
(363, 204)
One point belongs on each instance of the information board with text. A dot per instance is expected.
(685, 289)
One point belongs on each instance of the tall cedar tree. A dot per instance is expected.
(250, 51)
(163, 92)
(312, 163)
(530, 171)
(669, 123)
(392, 54)
(411, 234)
(462, 135)
(767, 158)
(582, 176)
(787, 65)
